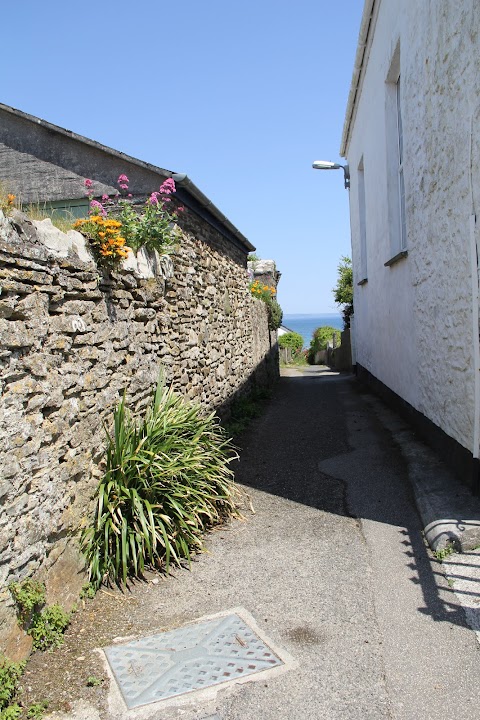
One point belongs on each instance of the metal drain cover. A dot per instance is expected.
(187, 659)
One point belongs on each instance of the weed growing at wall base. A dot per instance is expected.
(10, 674)
(10, 704)
(246, 408)
(45, 624)
(448, 550)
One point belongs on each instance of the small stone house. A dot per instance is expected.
(46, 164)
(412, 141)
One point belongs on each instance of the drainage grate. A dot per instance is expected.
(190, 658)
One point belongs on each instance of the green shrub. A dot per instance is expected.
(275, 314)
(343, 290)
(321, 337)
(292, 340)
(167, 480)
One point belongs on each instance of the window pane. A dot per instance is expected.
(399, 124)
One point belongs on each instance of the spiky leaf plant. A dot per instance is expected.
(167, 480)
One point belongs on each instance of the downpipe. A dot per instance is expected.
(474, 257)
(476, 357)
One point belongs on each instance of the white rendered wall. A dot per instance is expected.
(413, 320)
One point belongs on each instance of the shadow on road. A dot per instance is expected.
(321, 444)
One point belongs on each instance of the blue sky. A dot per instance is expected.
(241, 96)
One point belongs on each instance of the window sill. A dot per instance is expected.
(396, 258)
(363, 281)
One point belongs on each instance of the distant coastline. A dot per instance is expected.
(306, 323)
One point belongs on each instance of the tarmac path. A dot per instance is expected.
(332, 566)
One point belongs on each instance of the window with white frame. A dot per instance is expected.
(401, 182)
(397, 223)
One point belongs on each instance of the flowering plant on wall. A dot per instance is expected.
(267, 294)
(261, 291)
(7, 200)
(107, 244)
(115, 224)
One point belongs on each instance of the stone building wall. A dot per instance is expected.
(70, 343)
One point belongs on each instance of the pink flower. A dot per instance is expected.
(88, 183)
(153, 199)
(123, 182)
(129, 195)
(168, 187)
(180, 209)
(105, 198)
(97, 208)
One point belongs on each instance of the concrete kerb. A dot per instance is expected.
(449, 512)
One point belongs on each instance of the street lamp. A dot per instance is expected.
(327, 165)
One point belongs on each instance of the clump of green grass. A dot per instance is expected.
(167, 480)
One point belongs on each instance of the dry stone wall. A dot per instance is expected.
(71, 341)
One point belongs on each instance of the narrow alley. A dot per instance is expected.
(332, 567)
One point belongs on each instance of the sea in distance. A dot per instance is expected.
(305, 325)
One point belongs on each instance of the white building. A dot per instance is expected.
(412, 142)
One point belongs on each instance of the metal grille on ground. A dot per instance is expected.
(187, 659)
